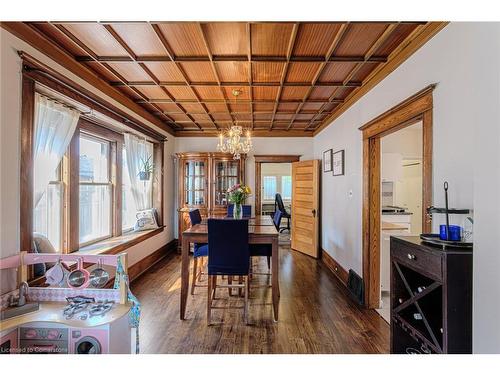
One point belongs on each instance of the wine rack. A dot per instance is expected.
(431, 298)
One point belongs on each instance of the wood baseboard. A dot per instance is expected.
(334, 267)
(147, 262)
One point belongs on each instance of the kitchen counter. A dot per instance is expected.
(393, 226)
(397, 213)
(53, 312)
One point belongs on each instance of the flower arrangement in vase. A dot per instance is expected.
(237, 195)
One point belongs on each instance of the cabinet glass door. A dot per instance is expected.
(195, 183)
(226, 174)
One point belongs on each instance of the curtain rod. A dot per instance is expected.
(64, 104)
(30, 67)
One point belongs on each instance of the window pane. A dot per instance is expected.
(286, 187)
(48, 215)
(94, 160)
(95, 209)
(128, 203)
(269, 187)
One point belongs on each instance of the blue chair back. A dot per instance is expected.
(195, 217)
(277, 219)
(247, 210)
(228, 251)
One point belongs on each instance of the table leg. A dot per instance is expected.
(275, 277)
(184, 275)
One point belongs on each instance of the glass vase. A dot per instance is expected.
(237, 211)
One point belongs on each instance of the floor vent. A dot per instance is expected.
(356, 287)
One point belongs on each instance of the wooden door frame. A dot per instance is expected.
(259, 159)
(416, 108)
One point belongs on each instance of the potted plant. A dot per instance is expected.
(146, 169)
(237, 194)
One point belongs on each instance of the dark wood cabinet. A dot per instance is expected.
(431, 298)
(203, 179)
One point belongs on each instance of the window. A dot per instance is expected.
(48, 213)
(128, 202)
(286, 187)
(269, 187)
(95, 189)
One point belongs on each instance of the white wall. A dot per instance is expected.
(463, 59)
(10, 118)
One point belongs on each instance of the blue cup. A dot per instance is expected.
(455, 233)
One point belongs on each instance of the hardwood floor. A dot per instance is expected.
(316, 314)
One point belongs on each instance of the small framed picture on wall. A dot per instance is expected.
(338, 163)
(327, 161)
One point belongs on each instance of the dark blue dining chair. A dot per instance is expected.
(266, 250)
(199, 250)
(228, 255)
(279, 205)
(247, 210)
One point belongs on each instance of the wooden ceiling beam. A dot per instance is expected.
(221, 101)
(133, 56)
(342, 30)
(91, 53)
(250, 77)
(214, 69)
(291, 45)
(373, 48)
(171, 54)
(228, 58)
(241, 84)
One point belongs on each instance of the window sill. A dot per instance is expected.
(109, 246)
(117, 245)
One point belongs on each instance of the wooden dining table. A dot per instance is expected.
(260, 231)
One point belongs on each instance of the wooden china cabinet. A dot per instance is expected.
(203, 179)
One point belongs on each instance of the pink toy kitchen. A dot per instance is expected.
(81, 311)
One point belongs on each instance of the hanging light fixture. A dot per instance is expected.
(231, 140)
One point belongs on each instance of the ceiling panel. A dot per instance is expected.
(336, 71)
(271, 39)
(199, 71)
(95, 37)
(226, 38)
(267, 71)
(294, 92)
(302, 71)
(165, 71)
(359, 38)
(184, 38)
(314, 39)
(265, 93)
(141, 38)
(293, 75)
(130, 71)
(232, 71)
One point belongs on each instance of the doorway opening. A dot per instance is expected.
(401, 197)
(272, 174)
(276, 178)
(415, 109)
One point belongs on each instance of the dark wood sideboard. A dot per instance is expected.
(431, 298)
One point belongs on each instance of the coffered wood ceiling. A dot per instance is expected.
(295, 77)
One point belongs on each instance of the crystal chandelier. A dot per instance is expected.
(230, 140)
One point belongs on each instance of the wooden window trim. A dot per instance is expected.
(32, 73)
(114, 189)
(416, 108)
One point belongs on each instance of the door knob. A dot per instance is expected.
(314, 213)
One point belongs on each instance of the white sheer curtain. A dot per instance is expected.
(138, 150)
(55, 125)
